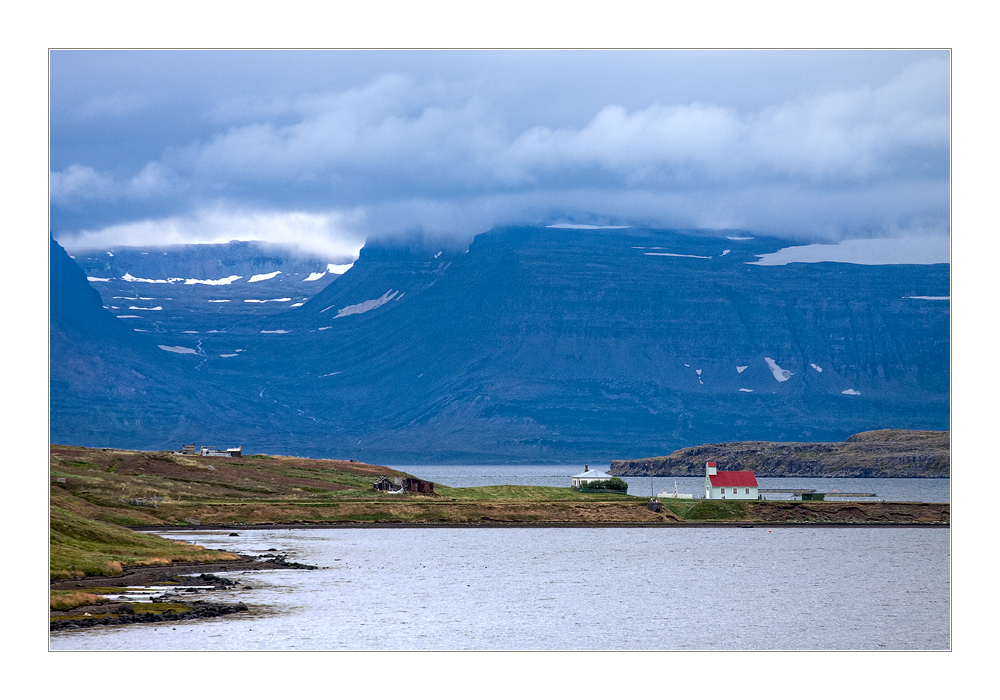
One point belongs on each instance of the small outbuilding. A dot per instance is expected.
(404, 483)
(729, 485)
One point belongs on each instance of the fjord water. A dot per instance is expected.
(912, 490)
(572, 588)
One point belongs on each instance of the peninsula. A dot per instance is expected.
(872, 454)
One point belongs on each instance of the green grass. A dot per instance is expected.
(82, 547)
(705, 509)
(524, 493)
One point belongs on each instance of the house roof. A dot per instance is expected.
(733, 479)
(592, 474)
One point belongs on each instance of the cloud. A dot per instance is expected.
(104, 106)
(845, 136)
(81, 183)
(439, 156)
(328, 234)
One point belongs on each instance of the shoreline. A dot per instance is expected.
(157, 573)
(553, 524)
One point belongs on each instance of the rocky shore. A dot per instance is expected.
(125, 614)
(169, 573)
(185, 578)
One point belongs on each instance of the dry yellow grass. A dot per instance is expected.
(65, 600)
(153, 560)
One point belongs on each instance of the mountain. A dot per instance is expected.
(111, 386)
(191, 295)
(544, 344)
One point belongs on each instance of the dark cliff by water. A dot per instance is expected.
(876, 454)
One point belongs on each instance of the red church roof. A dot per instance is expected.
(733, 479)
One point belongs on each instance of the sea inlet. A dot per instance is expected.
(783, 588)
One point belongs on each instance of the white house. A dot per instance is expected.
(729, 485)
(231, 452)
(586, 476)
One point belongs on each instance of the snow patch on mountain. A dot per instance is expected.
(926, 250)
(851, 392)
(749, 391)
(781, 375)
(315, 276)
(170, 280)
(926, 298)
(739, 370)
(266, 276)
(145, 308)
(224, 280)
(264, 301)
(366, 306)
(275, 331)
(681, 255)
(98, 279)
(816, 367)
(338, 269)
(178, 349)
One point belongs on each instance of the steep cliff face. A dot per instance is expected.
(542, 344)
(877, 453)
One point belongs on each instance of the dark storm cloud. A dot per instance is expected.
(451, 143)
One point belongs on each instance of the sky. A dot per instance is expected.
(328, 149)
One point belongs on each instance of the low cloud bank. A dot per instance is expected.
(327, 234)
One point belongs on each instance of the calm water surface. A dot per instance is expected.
(572, 588)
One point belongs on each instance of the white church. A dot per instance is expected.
(729, 485)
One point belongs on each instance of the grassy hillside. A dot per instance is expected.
(877, 453)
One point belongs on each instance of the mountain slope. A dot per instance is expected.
(112, 386)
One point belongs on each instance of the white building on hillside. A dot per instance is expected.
(729, 485)
(586, 476)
